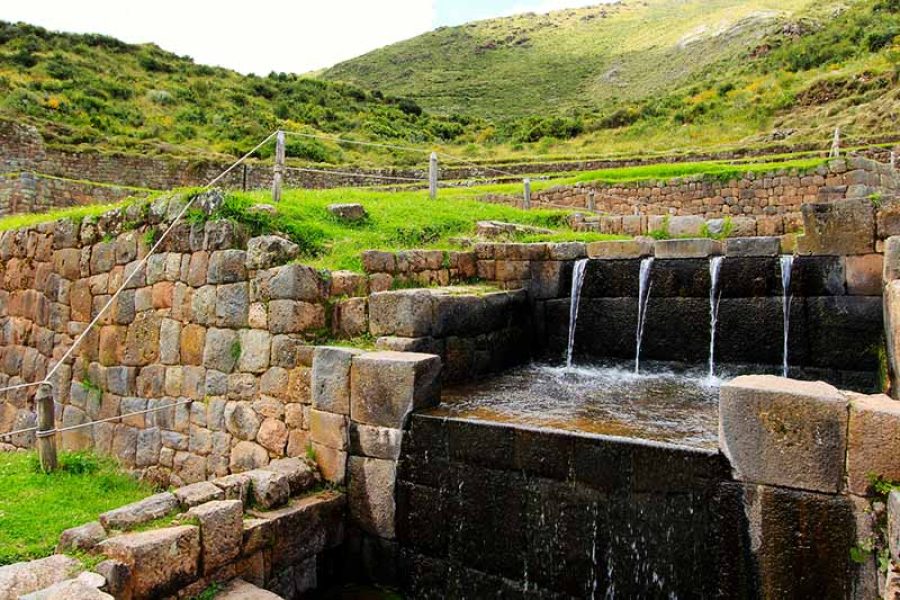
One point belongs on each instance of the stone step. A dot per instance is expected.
(239, 589)
(23, 578)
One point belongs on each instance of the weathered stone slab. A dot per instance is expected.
(221, 531)
(331, 378)
(82, 538)
(687, 225)
(620, 249)
(864, 274)
(161, 560)
(753, 246)
(687, 248)
(72, 589)
(873, 441)
(838, 228)
(25, 577)
(269, 488)
(371, 495)
(892, 331)
(236, 487)
(198, 493)
(784, 432)
(893, 525)
(386, 386)
(269, 251)
(405, 313)
(131, 515)
(348, 212)
(299, 473)
(375, 442)
(332, 463)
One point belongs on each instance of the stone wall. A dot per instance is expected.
(29, 192)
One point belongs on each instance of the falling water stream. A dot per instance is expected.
(715, 265)
(643, 295)
(787, 263)
(574, 301)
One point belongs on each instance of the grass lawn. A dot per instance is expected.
(36, 508)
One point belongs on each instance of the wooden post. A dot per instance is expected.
(46, 431)
(433, 175)
(592, 201)
(527, 204)
(277, 175)
(836, 143)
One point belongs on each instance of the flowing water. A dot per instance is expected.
(787, 264)
(643, 295)
(715, 265)
(575, 300)
(664, 403)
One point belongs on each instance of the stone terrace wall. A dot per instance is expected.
(773, 200)
(30, 192)
(214, 335)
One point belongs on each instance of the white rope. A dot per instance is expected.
(90, 423)
(357, 175)
(135, 271)
(339, 140)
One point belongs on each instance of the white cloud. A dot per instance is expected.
(261, 36)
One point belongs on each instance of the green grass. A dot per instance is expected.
(36, 508)
(75, 213)
(397, 220)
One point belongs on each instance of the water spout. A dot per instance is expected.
(787, 264)
(715, 265)
(643, 296)
(574, 301)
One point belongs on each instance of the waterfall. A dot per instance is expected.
(715, 265)
(787, 263)
(574, 301)
(643, 295)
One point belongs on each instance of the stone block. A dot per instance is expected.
(753, 246)
(227, 266)
(329, 429)
(371, 495)
(405, 313)
(331, 461)
(269, 488)
(238, 589)
(873, 441)
(25, 577)
(784, 432)
(82, 538)
(85, 587)
(838, 228)
(246, 456)
(255, 348)
(235, 487)
(232, 305)
(686, 226)
(131, 515)
(687, 248)
(291, 282)
(221, 531)
(891, 259)
(272, 436)
(331, 378)
(198, 493)
(301, 476)
(269, 251)
(161, 561)
(864, 274)
(241, 420)
(294, 316)
(386, 386)
(221, 350)
(350, 318)
(347, 283)
(375, 442)
(893, 525)
(620, 249)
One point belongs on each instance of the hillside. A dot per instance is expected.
(657, 74)
(93, 91)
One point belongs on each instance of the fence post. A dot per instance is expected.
(836, 143)
(279, 167)
(527, 204)
(592, 201)
(433, 175)
(46, 431)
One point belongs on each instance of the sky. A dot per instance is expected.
(266, 35)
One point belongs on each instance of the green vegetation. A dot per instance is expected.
(877, 545)
(397, 220)
(74, 213)
(36, 508)
(633, 78)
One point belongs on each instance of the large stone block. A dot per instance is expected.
(161, 560)
(753, 246)
(25, 577)
(269, 488)
(386, 386)
(838, 228)
(371, 495)
(784, 432)
(873, 441)
(221, 531)
(331, 379)
(687, 248)
(638, 248)
(329, 429)
(143, 511)
(227, 266)
(270, 250)
(295, 316)
(891, 311)
(864, 274)
(405, 313)
(375, 442)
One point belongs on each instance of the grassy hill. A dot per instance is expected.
(637, 77)
(95, 91)
(657, 74)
